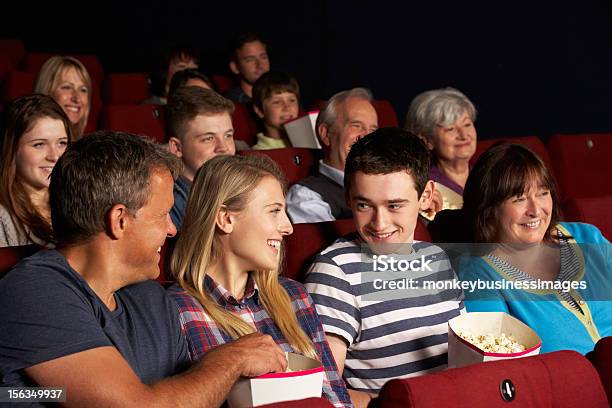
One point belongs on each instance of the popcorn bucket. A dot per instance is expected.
(461, 352)
(304, 379)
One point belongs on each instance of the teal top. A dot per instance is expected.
(573, 320)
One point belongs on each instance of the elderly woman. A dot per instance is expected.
(444, 118)
(67, 81)
(555, 277)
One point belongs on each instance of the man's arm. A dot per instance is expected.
(338, 348)
(102, 377)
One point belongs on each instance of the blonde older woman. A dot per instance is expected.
(67, 81)
(444, 119)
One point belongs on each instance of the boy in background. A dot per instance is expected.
(276, 97)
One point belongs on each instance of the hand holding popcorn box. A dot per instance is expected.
(303, 379)
(488, 336)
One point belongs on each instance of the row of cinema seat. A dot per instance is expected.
(116, 105)
(558, 379)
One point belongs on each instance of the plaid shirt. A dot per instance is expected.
(203, 334)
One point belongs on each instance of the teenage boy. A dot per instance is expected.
(276, 97)
(377, 335)
(200, 127)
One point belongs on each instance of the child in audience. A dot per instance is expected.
(376, 335)
(35, 134)
(67, 81)
(200, 127)
(276, 98)
(226, 263)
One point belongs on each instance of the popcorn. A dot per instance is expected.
(490, 343)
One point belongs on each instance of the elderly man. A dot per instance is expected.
(87, 316)
(346, 118)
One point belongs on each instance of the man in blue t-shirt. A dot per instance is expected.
(87, 316)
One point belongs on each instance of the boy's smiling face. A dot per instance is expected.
(278, 109)
(386, 207)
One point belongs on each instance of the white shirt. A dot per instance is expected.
(307, 206)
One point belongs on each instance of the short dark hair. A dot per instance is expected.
(273, 82)
(389, 150)
(501, 172)
(97, 172)
(180, 78)
(190, 101)
(243, 38)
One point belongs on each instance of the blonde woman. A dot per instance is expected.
(226, 264)
(67, 81)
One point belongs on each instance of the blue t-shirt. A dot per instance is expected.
(182, 186)
(47, 311)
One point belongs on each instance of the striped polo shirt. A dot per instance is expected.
(390, 333)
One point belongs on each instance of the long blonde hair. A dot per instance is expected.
(228, 181)
(48, 79)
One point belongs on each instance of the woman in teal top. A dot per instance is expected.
(555, 277)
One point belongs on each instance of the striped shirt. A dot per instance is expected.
(203, 334)
(388, 336)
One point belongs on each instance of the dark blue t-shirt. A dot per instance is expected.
(181, 192)
(47, 311)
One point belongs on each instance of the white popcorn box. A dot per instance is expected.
(301, 131)
(462, 353)
(304, 380)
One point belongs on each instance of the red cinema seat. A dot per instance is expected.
(9, 256)
(309, 239)
(146, 120)
(223, 83)
(601, 357)
(94, 111)
(559, 379)
(532, 142)
(305, 403)
(318, 104)
(126, 89)
(582, 163)
(6, 66)
(17, 84)
(386, 113)
(592, 210)
(245, 127)
(296, 162)
(13, 49)
(34, 60)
